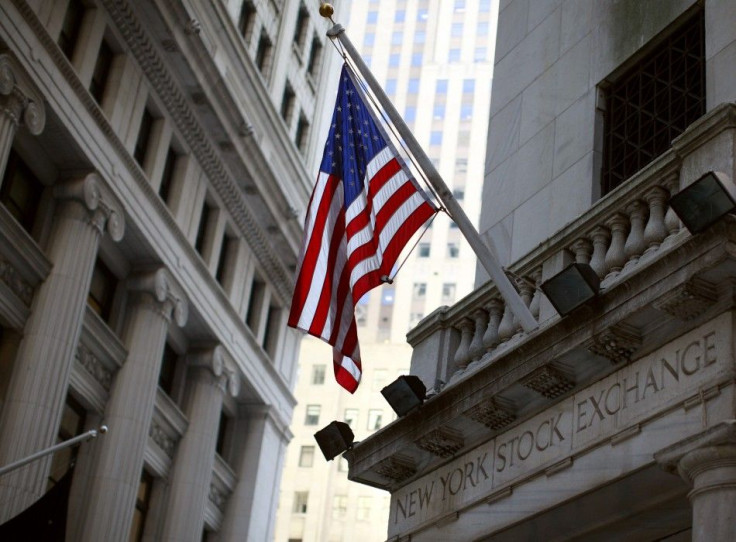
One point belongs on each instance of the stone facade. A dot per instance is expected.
(148, 240)
(615, 421)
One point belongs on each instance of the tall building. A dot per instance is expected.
(613, 419)
(152, 186)
(434, 58)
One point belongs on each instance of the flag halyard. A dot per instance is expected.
(364, 210)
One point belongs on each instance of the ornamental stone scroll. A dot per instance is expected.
(105, 210)
(20, 101)
(160, 287)
(220, 364)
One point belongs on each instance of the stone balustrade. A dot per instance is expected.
(617, 237)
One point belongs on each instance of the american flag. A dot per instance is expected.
(364, 209)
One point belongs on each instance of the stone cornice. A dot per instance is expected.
(710, 254)
(158, 76)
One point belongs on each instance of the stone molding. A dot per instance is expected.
(94, 366)
(14, 280)
(617, 344)
(218, 497)
(689, 300)
(168, 425)
(23, 102)
(161, 288)
(442, 442)
(161, 437)
(106, 211)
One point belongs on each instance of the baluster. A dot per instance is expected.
(616, 257)
(635, 243)
(534, 305)
(583, 250)
(655, 231)
(601, 237)
(671, 220)
(526, 290)
(463, 350)
(481, 324)
(506, 327)
(495, 310)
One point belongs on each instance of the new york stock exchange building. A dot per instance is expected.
(610, 172)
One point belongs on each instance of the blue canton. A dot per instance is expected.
(353, 141)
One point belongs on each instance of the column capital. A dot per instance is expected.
(220, 364)
(161, 286)
(105, 209)
(700, 452)
(23, 101)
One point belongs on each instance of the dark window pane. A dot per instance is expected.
(101, 71)
(144, 136)
(21, 191)
(202, 230)
(247, 20)
(70, 28)
(221, 434)
(653, 103)
(72, 424)
(102, 290)
(168, 369)
(142, 504)
(167, 177)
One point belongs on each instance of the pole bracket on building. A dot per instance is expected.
(66, 444)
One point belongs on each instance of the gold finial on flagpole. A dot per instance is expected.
(326, 10)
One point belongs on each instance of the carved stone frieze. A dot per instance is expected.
(492, 413)
(442, 442)
(688, 300)
(10, 276)
(218, 497)
(94, 367)
(396, 468)
(164, 441)
(617, 343)
(548, 381)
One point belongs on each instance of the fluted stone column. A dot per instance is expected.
(118, 460)
(38, 386)
(191, 475)
(20, 104)
(251, 508)
(707, 462)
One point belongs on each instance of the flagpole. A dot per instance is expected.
(92, 433)
(487, 260)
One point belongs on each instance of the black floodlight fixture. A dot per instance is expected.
(571, 287)
(405, 394)
(705, 201)
(334, 439)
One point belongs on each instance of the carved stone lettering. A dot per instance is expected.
(614, 406)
